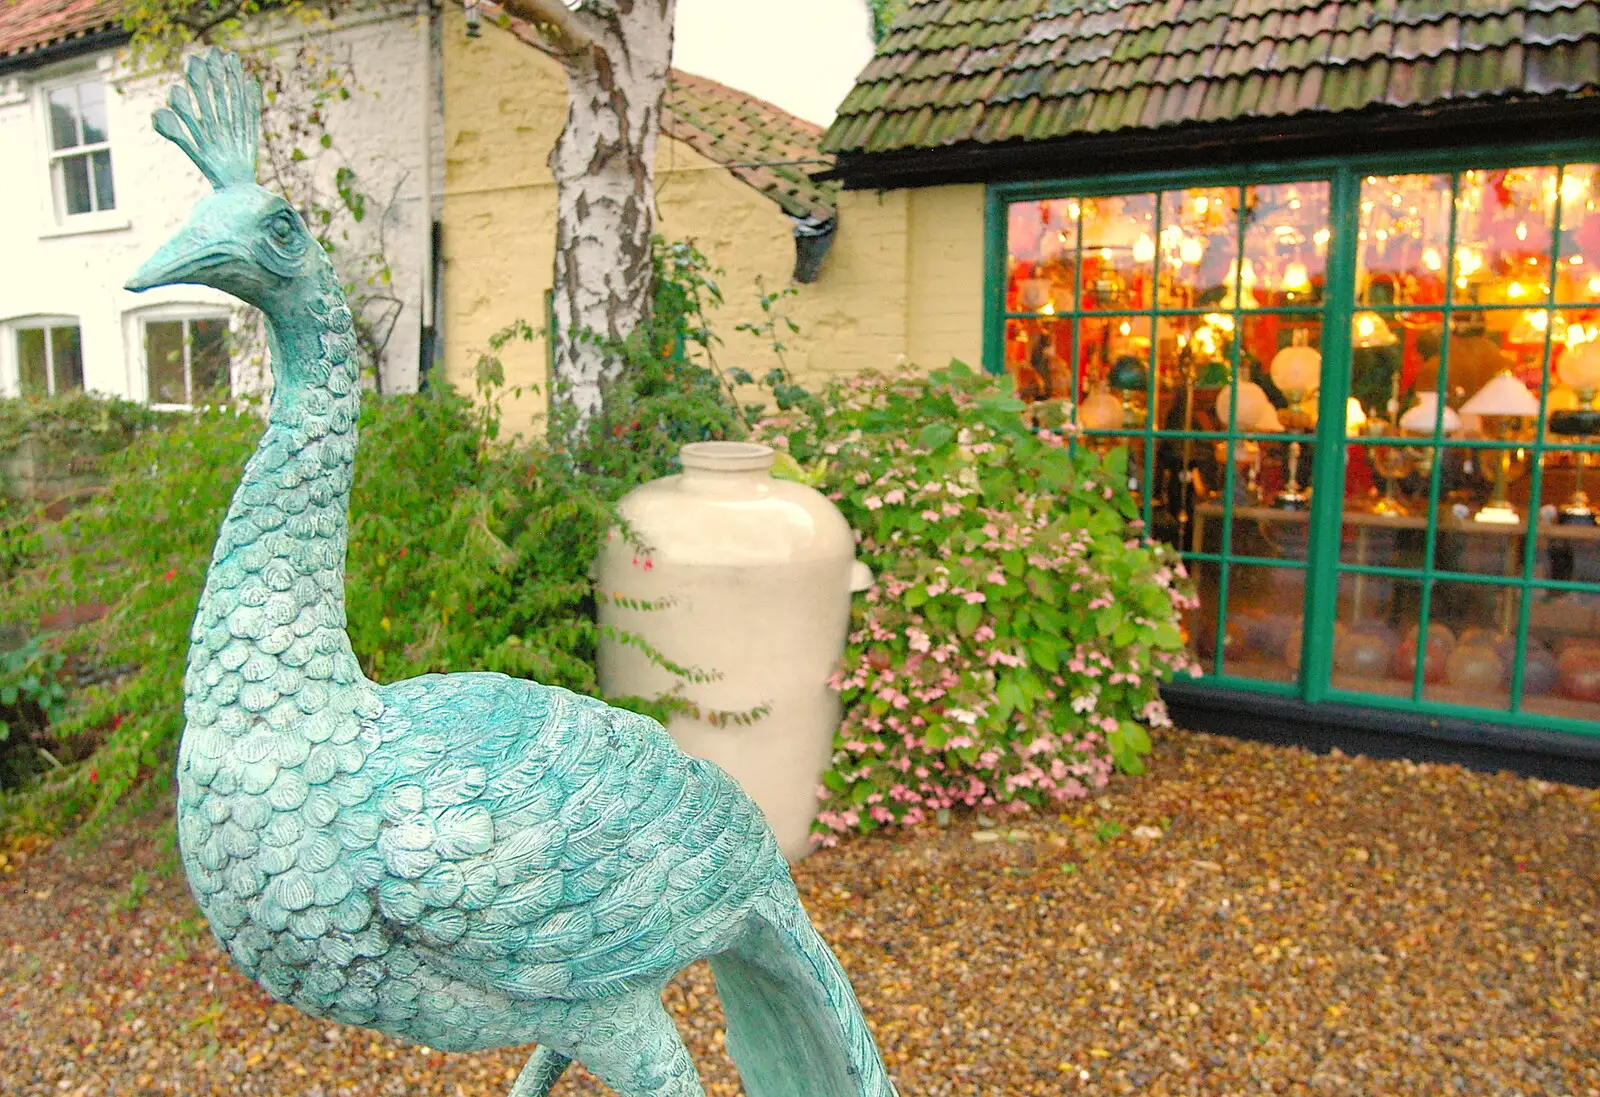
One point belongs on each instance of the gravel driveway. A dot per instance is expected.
(1247, 919)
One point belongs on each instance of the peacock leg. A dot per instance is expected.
(643, 1056)
(540, 1074)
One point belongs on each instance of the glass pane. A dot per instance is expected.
(1199, 246)
(1115, 354)
(64, 118)
(1265, 612)
(32, 364)
(66, 355)
(1194, 356)
(163, 355)
(1503, 224)
(1200, 623)
(1119, 250)
(72, 184)
(1287, 348)
(1476, 624)
(105, 195)
(1374, 641)
(1561, 666)
(1578, 277)
(1285, 244)
(1041, 250)
(1262, 527)
(1404, 236)
(208, 359)
(1039, 358)
(92, 108)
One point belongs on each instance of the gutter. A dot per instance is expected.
(66, 49)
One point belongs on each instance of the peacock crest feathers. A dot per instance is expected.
(216, 119)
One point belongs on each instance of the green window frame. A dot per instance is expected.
(1323, 565)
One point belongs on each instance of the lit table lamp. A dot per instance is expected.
(1502, 401)
(1578, 368)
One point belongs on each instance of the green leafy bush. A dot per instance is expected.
(1010, 651)
(467, 551)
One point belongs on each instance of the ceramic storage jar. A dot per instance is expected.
(751, 578)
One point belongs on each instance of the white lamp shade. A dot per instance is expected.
(1422, 418)
(1254, 408)
(1297, 370)
(1579, 366)
(1503, 395)
(1355, 416)
(1102, 411)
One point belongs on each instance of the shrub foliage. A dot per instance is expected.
(1010, 651)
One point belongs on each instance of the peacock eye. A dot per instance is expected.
(281, 228)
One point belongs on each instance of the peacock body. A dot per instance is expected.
(466, 861)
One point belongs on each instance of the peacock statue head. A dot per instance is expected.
(241, 239)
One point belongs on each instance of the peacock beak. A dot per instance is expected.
(196, 249)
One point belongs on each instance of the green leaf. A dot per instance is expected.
(968, 617)
(1045, 651)
(935, 435)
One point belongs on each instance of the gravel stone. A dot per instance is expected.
(1245, 919)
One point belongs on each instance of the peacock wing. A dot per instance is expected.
(545, 845)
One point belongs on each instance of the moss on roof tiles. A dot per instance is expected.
(1006, 70)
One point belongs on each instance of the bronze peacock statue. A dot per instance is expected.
(467, 861)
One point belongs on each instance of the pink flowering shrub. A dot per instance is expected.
(1009, 654)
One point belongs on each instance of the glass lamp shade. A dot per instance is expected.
(1367, 330)
(1297, 370)
(1580, 367)
(1101, 411)
(1355, 416)
(1255, 410)
(1422, 418)
(1503, 395)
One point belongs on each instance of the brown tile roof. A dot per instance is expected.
(760, 144)
(987, 71)
(28, 26)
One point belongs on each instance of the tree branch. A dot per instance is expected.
(569, 33)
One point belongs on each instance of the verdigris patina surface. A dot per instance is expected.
(466, 860)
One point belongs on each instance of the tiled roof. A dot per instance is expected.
(764, 146)
(758, 143)
(954, 72)
(28, 26)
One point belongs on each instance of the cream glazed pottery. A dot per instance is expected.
(752, 578)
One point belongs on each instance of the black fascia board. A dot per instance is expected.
(1242, 142)
(66, 49)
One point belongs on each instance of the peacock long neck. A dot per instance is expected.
(269, 651)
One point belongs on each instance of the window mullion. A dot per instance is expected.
(1326, 519)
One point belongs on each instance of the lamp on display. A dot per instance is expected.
(1297, 371)
(1128, 377)
(1578, 368)
(1501, 402)
(1355, 417)
(1368, 331)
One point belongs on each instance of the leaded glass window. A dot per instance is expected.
(1363, 406)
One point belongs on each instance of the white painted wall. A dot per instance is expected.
(388, 131)
(802, 55)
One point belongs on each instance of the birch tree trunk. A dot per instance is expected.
(616, 54)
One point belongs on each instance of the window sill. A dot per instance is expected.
(85, 224)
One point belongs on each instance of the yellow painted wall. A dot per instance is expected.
(902, 282)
